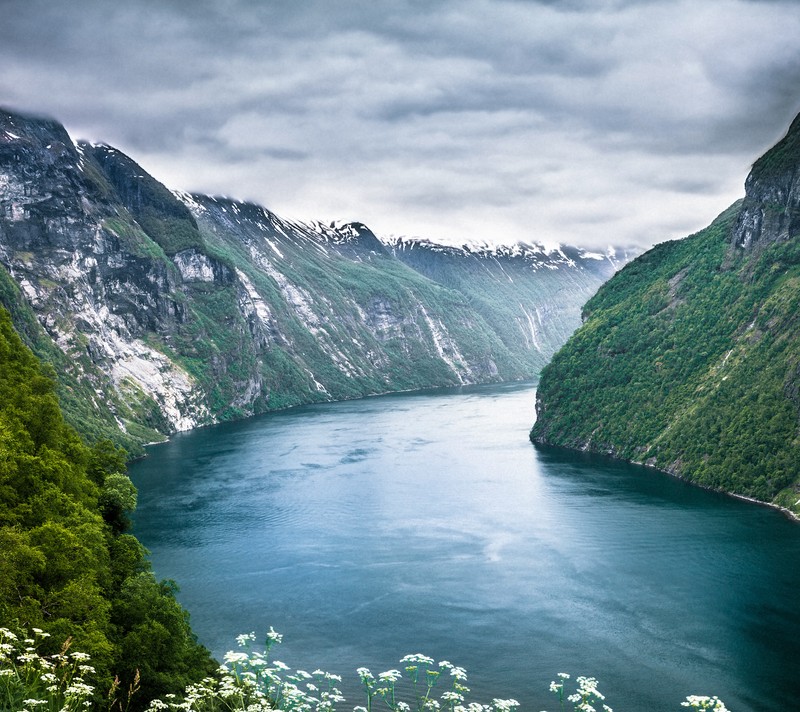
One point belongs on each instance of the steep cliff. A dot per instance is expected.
(162, 311)
(689, 358)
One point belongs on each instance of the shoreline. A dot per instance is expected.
(752, 500)
(531, 380)
(790, 514)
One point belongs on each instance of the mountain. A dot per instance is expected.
(688, 359)
(530, 294)
(164, 311)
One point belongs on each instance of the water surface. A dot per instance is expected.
(427, 522)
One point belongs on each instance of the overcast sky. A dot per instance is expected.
(591, 122)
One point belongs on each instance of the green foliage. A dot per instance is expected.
(155, 639)
(172, 234)
(688, 360)
(66, 567)
(134, 238)
(782, 157)
(117, 499)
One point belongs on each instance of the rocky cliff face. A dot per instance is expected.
(163, 311)
(771, 208)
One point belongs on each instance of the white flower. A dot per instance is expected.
(390, 675)
(78, 689)
(450, 696)
(588, 686)
(365, 674)
(233, 656)
(245, 638)
(458, 673)
(702, 702)
(274, 637)
(418, 658)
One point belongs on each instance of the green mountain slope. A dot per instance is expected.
(689, 358)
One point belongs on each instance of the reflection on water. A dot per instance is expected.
(370, 529)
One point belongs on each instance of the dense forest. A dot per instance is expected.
(68, 564)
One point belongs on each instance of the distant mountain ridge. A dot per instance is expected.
(535, 253)
(161, 310)
(689, 358)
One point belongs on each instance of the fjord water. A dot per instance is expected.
(427, 522)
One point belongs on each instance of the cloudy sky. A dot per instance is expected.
(581, 121)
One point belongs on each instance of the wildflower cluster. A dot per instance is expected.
(701, 702)
(585, 697)
(30, 682)
(424, 675)
(248, 681)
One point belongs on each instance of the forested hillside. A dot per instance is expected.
(689, 358)
(68, 564)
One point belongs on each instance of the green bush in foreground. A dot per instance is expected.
(249, 682)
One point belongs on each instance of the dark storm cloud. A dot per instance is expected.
(594, 121)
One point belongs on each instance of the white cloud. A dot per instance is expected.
(582, 122)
